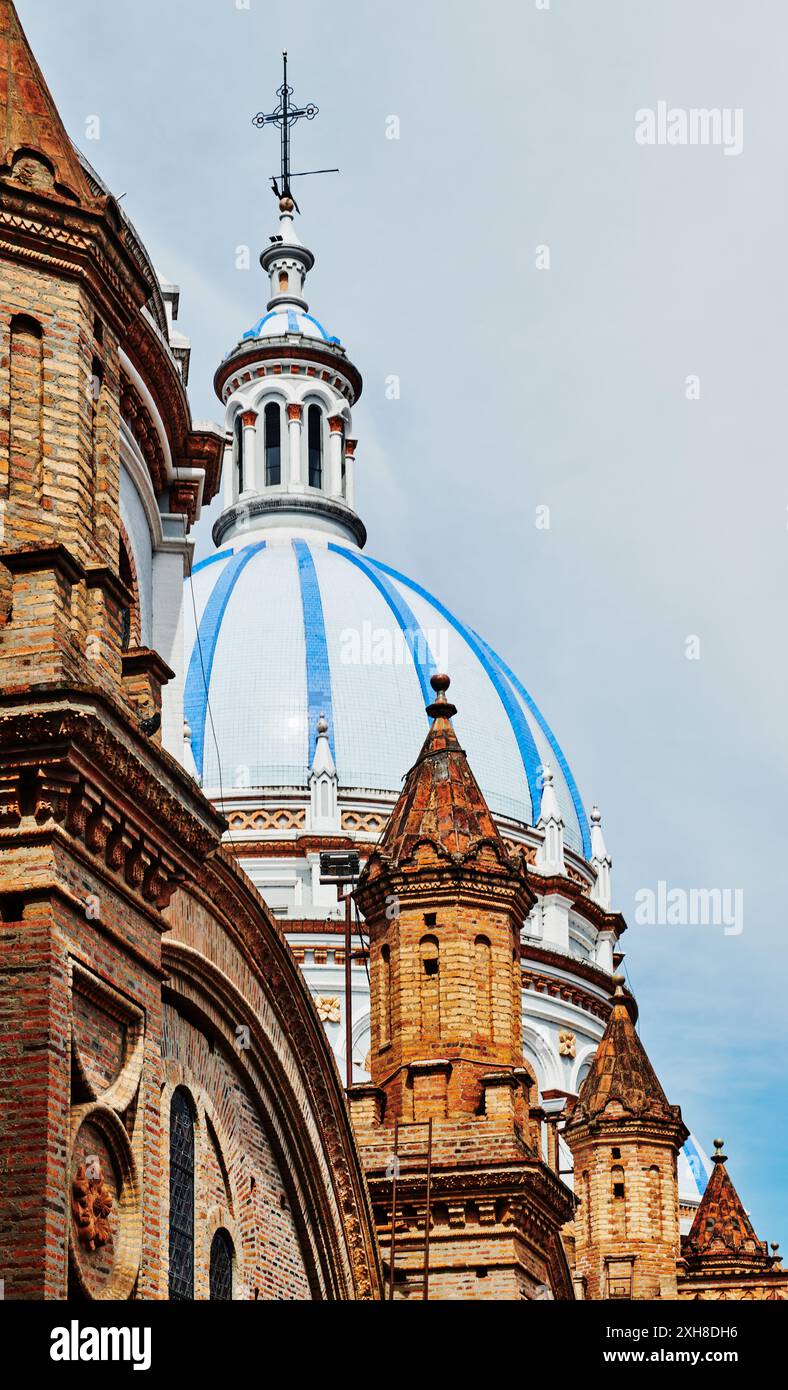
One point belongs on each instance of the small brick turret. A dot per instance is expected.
(625, 1138)
(444, 902)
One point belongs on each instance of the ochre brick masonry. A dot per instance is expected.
(141, 977)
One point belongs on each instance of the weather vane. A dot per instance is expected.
(284, 117)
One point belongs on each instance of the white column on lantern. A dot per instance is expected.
(336, 427)
(350, 468)
(249, 421)
(295, 415)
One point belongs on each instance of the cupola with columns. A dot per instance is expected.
(288, 388)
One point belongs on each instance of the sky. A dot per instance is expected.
(630, 377)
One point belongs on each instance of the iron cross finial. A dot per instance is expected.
(284, 117)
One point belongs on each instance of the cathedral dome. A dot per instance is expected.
(294, 626)
(277, 323)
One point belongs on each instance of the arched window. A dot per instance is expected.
(181, 1197)
(273, 444)
(429, 951)
(238, 450)
(284, 281)
(221, 1271)
(314, 437)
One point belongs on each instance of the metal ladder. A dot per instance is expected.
(421, 1157)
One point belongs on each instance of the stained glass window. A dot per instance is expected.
(221, 1267)
(181, 1197)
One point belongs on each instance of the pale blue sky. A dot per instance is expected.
(523, 387)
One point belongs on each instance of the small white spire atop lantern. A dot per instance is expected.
(600, 861)
(287, 262)
(550, 858)
(323, 783)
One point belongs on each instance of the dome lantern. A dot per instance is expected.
(288, 388)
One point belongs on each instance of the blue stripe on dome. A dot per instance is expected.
(198, 677)
(525, 739)
(415, 638)
(292, 322)
(327, 336)
(318, 670)
(582, 820)
(254, 331)
(696, 1165)
(211, 560)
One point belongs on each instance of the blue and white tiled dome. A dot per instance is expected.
(694, 1167)
(294, 627)
(277, 323)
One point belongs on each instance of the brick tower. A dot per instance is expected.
(625, 1138)
(444, 902)
(98, 824)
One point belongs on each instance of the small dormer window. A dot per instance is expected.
(315, 445)
(273, 444)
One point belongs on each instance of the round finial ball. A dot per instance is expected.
(719, 1143)
(322, 725)
(440, 683)
(619, 981)
(286, 205)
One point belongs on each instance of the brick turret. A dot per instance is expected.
(722, 1256)
(444, 903)
(625, 1138)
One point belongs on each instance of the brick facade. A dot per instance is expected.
(134, 958)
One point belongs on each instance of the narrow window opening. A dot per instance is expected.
(273, 444)
(315, 445)
(429, 952)
(238, 450)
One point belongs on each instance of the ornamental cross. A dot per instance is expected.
(284, 117)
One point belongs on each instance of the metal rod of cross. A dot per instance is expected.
(284, 118)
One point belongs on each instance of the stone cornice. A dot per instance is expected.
(580, 902)
(485, 1180)
(55, 235)
(75, 765)
(573, 965)
(244, 358)
(308, 505)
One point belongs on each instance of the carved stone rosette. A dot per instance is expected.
(105, 1230)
